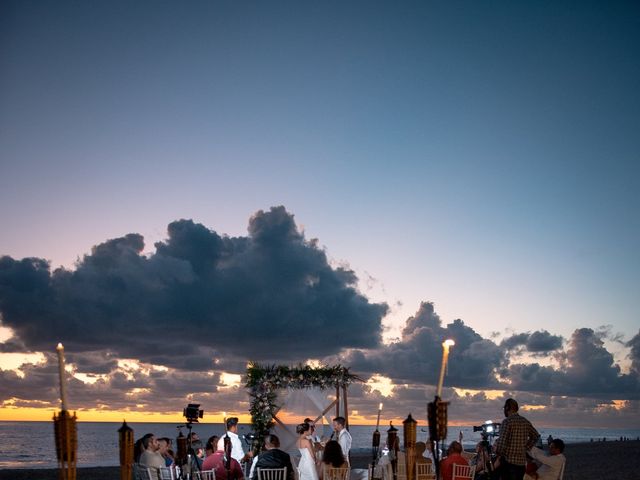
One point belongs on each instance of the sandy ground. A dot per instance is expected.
(585, 461)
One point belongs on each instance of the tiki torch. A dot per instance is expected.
(375, 445)
(437, 410)
(64, 426)
(125, 441)
(410, 434)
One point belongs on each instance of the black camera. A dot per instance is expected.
(192, 413)
(488, 429)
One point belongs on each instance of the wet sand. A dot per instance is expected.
(585, 461)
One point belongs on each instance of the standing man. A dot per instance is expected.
(344, 437)
(237, 452)
(551, 465)
(517, 435)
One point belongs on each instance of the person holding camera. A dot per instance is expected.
(517, 435)
(237, 452)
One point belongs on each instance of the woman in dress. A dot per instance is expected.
(332, 457)
(307, 466)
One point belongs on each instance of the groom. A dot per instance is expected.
(344, 437)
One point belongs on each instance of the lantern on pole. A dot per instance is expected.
(375, 443)
(410, 427)
(437, 410)
(65, 429)
(125, 441)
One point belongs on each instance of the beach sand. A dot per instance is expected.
(585, 461)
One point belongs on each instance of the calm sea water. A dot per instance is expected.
(31, 444)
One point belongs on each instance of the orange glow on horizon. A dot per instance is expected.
(30, 414)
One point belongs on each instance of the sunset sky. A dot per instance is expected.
(185, 187)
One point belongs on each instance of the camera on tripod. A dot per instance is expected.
(488, 429)
(192, 413)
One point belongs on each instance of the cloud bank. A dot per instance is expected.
(200, 295)
(203, 303)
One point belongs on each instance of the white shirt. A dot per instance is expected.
(344, 439)
(236, 446)
(551, 464)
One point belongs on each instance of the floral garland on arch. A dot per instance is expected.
(264, 381)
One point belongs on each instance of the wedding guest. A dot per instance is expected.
(517, 435)
(197, 447)
(315, 440)
(216, 462)
(550, 465)
(272, 457)
(237, 451)
(454, 455)
(211, 446)
(482, 461)
(332, 457)
(421, 447)
(312, 430)
(164, 447)
(344, 437)
(150, 457)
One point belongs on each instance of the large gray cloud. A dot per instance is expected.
(416, 357)
(200, 295)
(585, 369)
(202, 304)
(634, 344)
(539, 342)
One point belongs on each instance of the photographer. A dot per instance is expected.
(237, 451)
(517, 435)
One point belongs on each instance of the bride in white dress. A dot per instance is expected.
(307, 466)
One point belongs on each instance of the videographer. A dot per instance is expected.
(517, 435)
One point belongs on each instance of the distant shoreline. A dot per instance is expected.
(585, 461)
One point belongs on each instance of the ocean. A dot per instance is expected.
(31, 444)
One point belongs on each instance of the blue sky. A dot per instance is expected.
(479, 155)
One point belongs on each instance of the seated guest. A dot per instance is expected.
(454, 455)
(550, 465)
(332, 457)
(212, 445)
(421, 447)
(150, 456)
(197, 447)
(164, 447)
(216, 462)
(272, 457)
(482, 461)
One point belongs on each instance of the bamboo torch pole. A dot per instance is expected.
(64, 425)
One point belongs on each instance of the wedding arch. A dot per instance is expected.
(264, 382)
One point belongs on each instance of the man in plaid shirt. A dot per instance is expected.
(517, 435)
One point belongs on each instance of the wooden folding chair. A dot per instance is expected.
(425, 471)
(340, 473)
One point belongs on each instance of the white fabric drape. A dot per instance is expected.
(298, 404)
